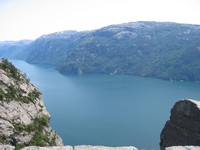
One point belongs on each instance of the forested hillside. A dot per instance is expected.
(155, 49)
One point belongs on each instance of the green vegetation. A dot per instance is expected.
(10, 69)
(50, 49)
(152, 49)
(162, 50)
(2, 95)
(19, 146)
(2, 138)
(12, 91)
(37, 124)
(40, 137)
(32, 96)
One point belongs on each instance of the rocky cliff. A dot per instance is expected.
(24, 119)
(183, 128)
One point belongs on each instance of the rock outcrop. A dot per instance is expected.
(82, 147)
(24, 119)
(183, 128)
(183, 148)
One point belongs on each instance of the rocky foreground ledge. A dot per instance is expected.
(87, 147)
(82, 147)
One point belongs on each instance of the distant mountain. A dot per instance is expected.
(52, 48)
(14, 49)
(162, 50)
(155, 49)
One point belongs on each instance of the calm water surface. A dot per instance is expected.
(108, 110)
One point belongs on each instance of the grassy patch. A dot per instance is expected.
(40, 137)
(10, 69)
(37, 124)
(19, 146)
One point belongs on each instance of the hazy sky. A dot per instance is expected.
(29, 19)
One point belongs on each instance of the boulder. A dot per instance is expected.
(183, 128)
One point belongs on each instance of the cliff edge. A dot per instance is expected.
(183, 128)
(24, 120)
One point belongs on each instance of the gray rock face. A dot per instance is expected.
(88, 147)
(6, 147)
(22, 111)
(183, 128)
(183, 148)
(82, 147)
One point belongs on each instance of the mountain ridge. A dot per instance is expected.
(163, 50)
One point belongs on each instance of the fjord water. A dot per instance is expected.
(108, 110)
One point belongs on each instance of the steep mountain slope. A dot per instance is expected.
(51, 48)
(163, 50)
(24, 120)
